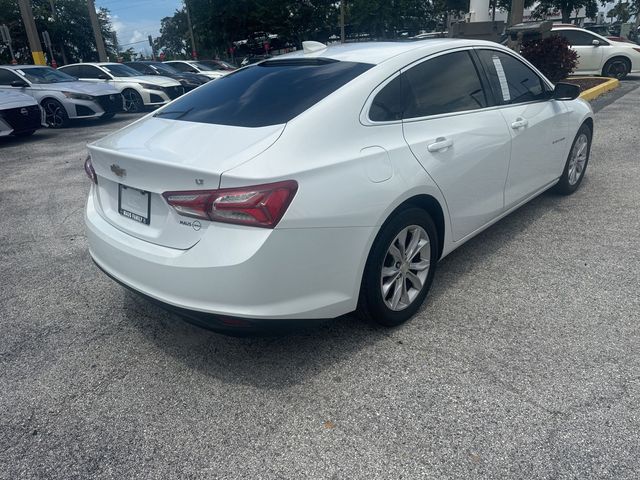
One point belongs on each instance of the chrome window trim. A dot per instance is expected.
(367, 122)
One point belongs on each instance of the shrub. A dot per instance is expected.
(552, 55)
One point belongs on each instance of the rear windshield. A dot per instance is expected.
(270, 93)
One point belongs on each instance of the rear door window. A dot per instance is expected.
(270, 93)
(388, 104)
(445, 84)
(511, 80)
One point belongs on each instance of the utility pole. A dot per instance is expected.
(32, 32)
(342, 37)
(517, 12)
(93, 16)
(194, 53)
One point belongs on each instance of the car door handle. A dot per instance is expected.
(519, 123)
(440, 144)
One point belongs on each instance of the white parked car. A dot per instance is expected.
(61, 96)
(137, 90)
(330, 179)
(20, 114)
(598, 55)
(193, 66)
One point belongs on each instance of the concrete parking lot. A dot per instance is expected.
(524, 362)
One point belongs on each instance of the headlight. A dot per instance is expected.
(78, 96)
(150, 86)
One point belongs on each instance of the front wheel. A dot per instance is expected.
(616, 68)
(400, 268)
(132, 101)
(55, 114)
(577, 162)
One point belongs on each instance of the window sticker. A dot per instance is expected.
(506, 96)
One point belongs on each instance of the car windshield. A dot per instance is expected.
(118, 70)
(164, 68)
(271, 93)
(45, 75)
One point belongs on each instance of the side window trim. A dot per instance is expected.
(548, 86)
(364, 115)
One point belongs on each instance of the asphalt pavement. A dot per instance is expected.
(524, 363)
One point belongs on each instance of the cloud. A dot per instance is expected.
(133, 34)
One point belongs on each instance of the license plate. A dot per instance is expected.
(134, 204)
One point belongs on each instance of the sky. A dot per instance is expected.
(134, 20)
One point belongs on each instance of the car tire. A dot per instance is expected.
(577, 162)
(107, 116)
(55, 113)
(132, 101)
(391, 291)
(617, 67)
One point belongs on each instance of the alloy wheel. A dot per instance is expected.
(405, 267)
(132, 101)
(53, 115)
(617, 69)
(578, 159)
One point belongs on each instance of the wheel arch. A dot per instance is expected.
(432, 206)
(618, 56)
(64, 104)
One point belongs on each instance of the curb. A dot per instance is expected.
(598, 90)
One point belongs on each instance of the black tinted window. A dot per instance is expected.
(578, 38)
(73, 70)
(182, 67)
(511, 80)
(267, 94)
(445, 84)
(388, 104)
(6, 77)
(89, 71)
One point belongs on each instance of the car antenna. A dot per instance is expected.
(310, 46)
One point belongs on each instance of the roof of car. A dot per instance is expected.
(378, 52)
(22, 67)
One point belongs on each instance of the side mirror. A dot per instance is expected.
(102, 76)
(19, 84)
(595, 42)
(566, 91)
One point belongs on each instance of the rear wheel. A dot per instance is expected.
(616, 68)
(577, 162)
(400, 268)
(132, 101)
(55, 114)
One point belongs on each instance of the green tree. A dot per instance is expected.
(174, 36)
(566, 8)
(620, 12)
(68, 26)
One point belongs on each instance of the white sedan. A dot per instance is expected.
(20, 114)
(193, 66)
(601, 56)
(137, 90)
(328, 180)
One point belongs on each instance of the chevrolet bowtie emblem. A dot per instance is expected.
(120, 172)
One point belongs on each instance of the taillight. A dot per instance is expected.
(88, 169)
(258, 205)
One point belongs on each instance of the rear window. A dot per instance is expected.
(270, 93)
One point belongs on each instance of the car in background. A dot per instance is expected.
(20, 114)
(138, 91)
(192, 66)
(598, 55)
(219, 65)
(232, 205)
(61, 96)
(188, 80)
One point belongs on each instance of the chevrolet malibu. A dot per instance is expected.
(329, 180)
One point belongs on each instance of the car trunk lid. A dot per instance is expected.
(135, 165)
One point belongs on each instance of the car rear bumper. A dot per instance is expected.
(236, 271)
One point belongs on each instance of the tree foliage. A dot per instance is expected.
(567, 8)
(217, 24)
(68, 25)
